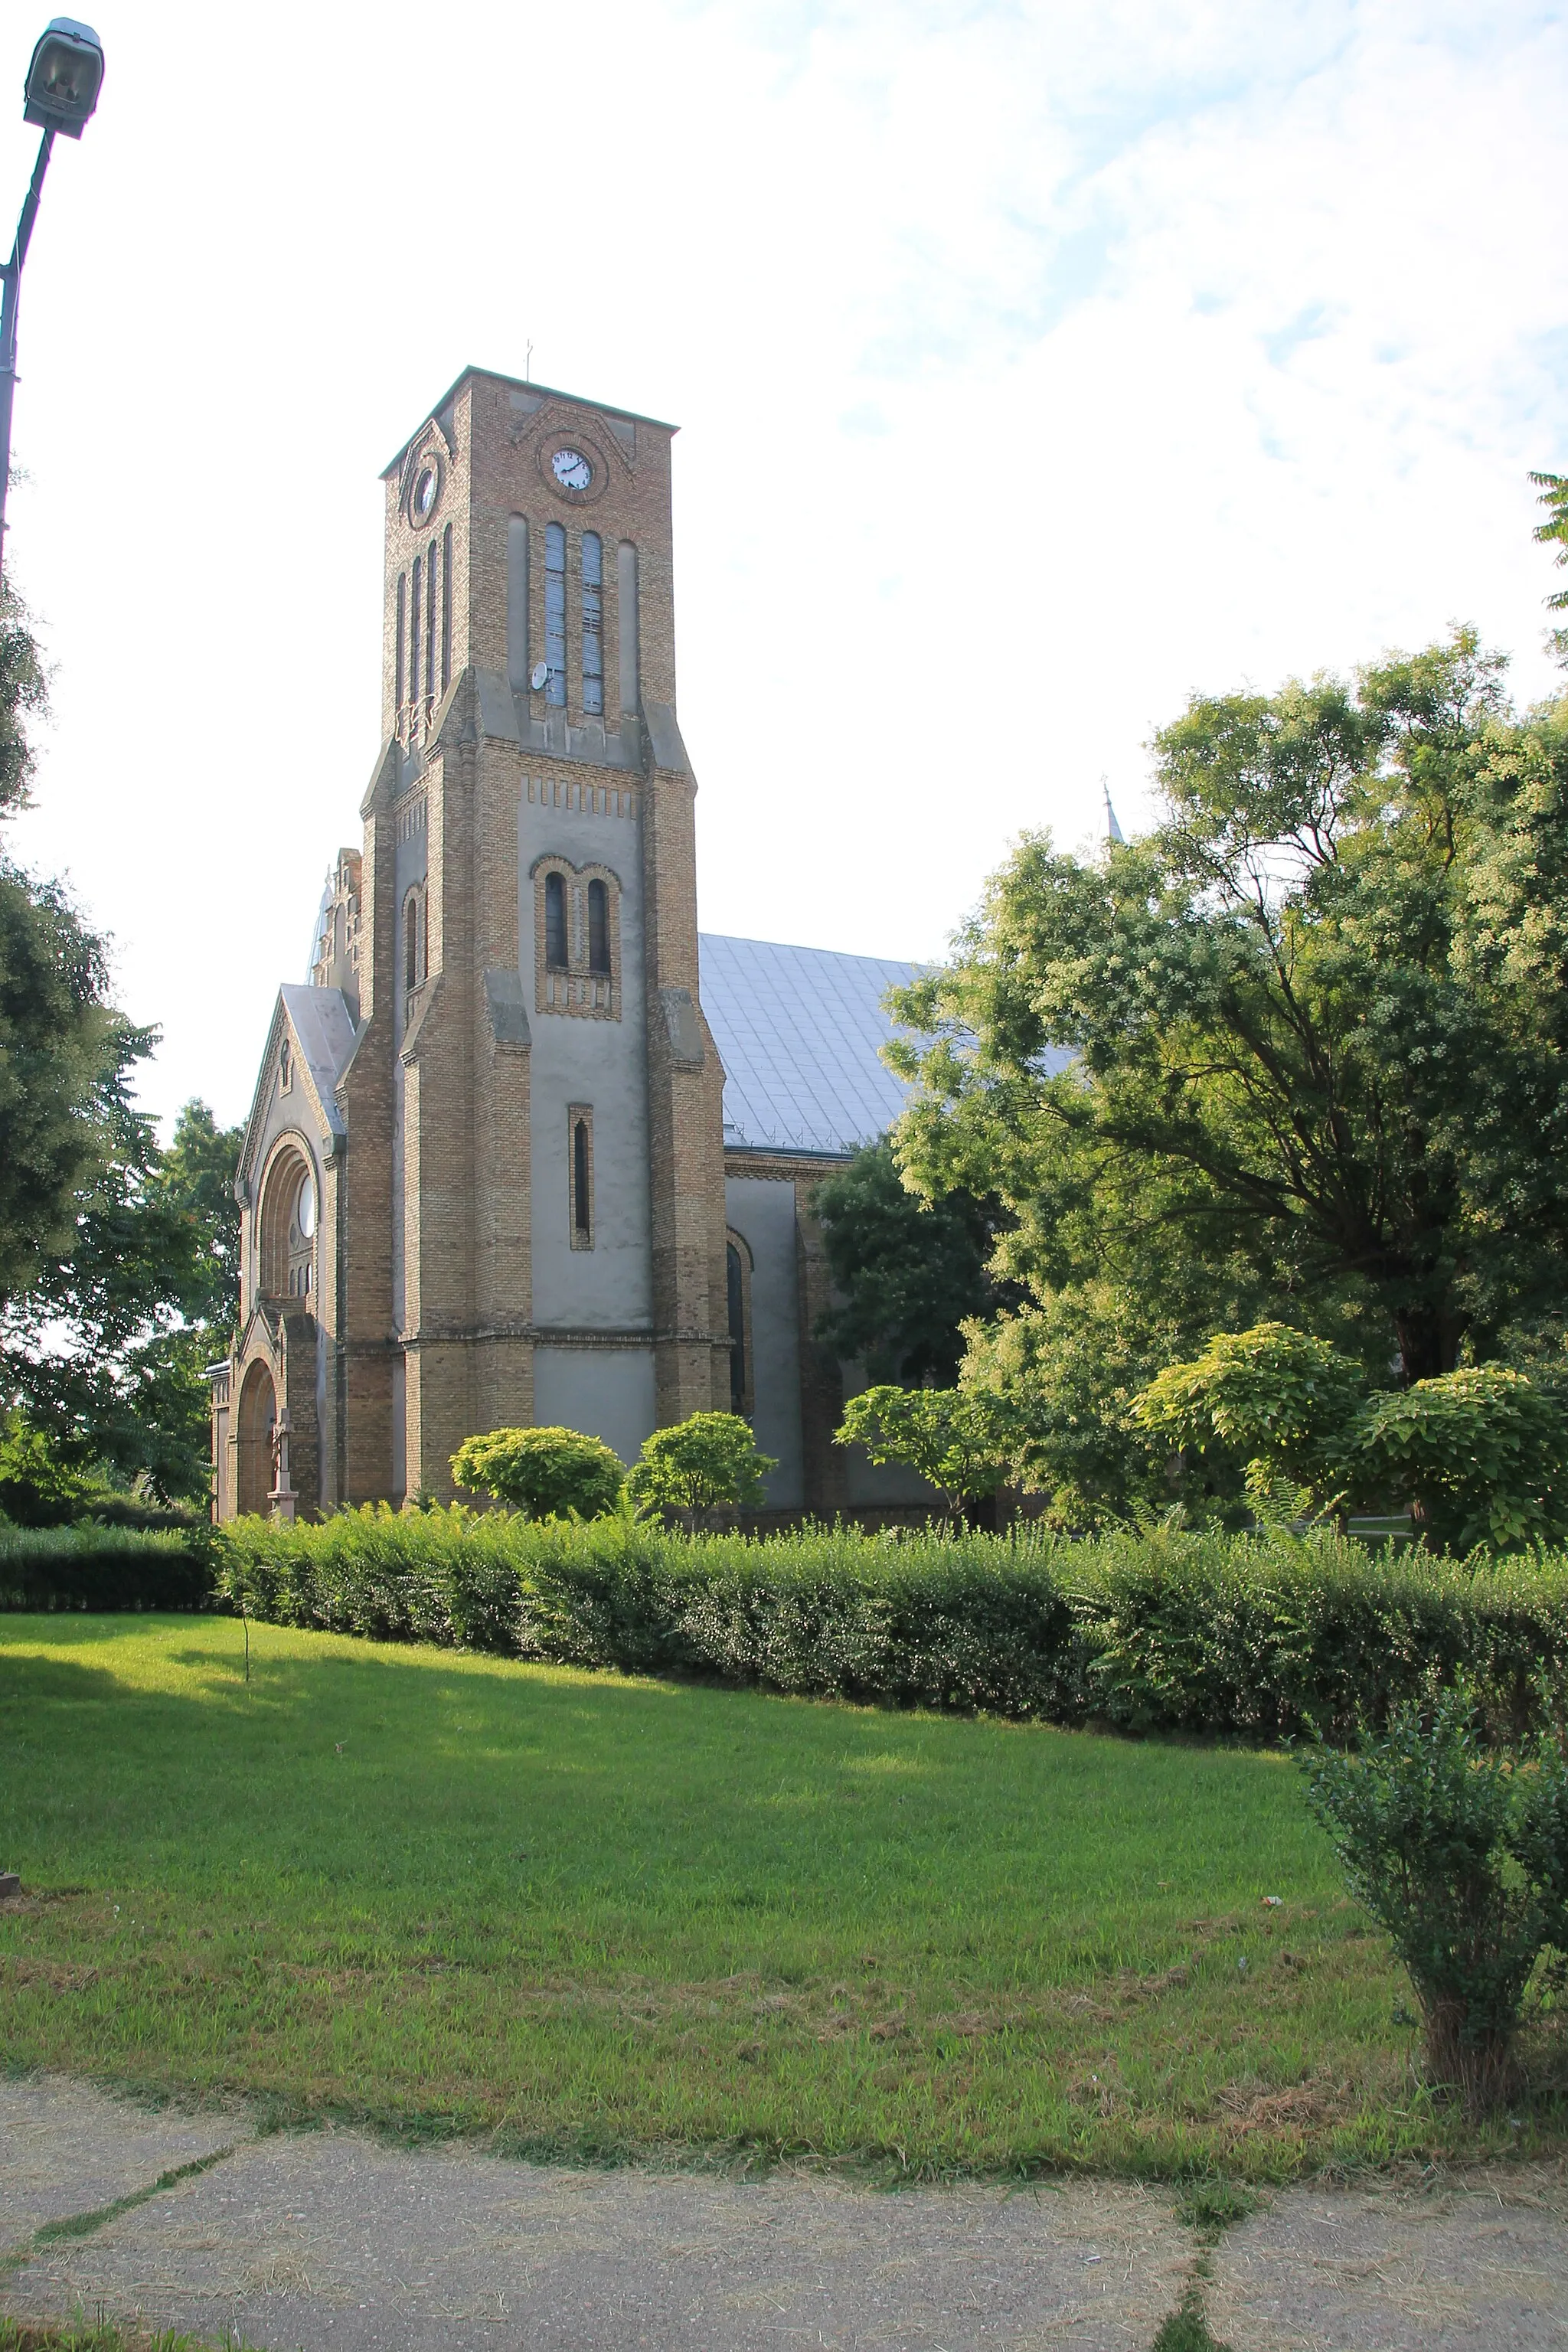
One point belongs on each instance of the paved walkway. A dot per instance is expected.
(327, 2242)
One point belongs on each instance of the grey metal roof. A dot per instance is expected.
(798, 1031)
(325, 1029)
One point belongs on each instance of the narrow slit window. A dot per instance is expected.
(598, 928)
(446, 608)
(402, 635)
(555, 921)
(555, 614)
(580, 1177)
(412, 940)
(430, 622)
(415, 608)
(592, 626)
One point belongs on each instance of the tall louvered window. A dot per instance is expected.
(446, 608)
(555, 614)
(592, 624)
(430, 622)
(402, 635)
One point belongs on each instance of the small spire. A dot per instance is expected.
(1112, 830)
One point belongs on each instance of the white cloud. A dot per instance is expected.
(1037, 364)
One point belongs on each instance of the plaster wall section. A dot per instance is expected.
(763, 1212)
(606, 1391)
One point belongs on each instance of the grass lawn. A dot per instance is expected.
(597, 1916)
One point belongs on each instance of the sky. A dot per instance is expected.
(1038, 366)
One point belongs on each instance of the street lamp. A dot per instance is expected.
(63, 82)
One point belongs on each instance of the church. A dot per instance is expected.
(527, 1149)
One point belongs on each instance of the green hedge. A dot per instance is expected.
(104, 1568)
(1256, 1635)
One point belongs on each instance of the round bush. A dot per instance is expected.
(548, 1473)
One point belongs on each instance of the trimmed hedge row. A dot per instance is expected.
(105, 1568)
(1172, 1631)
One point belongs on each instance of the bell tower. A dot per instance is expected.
(533, 1227)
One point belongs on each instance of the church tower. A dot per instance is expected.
(536, 1048)
(517, 1134)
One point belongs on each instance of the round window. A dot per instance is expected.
(305, 1208)
(425, 491)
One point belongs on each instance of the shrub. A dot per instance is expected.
(961, 1441)
(548, 1473)
(1462, 1855)
(1258, 1637)
(105, 1568)
(709, 1462)
(1483, 1451)
(448, 1575)
(1271, 1395)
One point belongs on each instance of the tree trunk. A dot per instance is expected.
(1429, 1343)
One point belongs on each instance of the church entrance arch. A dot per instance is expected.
(258, 1412)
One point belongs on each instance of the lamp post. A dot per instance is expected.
(63, 82)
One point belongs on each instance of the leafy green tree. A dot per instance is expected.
(961, 1441)
(1280, 1398)
(1317, 1023)
(1554, 488)
(105, 1353)
(709, 1462)
(908, 1272)
(66, 1055)
(1483, 1452)
(548, 1473)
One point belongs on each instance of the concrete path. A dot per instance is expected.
(329, 2243)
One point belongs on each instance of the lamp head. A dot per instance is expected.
(65, 76)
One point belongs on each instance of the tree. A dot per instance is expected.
(66, 1055)
(961, 1441)
(1317, 1023)
(105, 1351)
(908, 1271)
(709, 1462)
(548, 1473)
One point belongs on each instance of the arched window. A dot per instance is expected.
(285, 1067)
(738, 1318)
(592, 624)
(416, 586)
(580, 1177)
(446, 608)
(576, 938)
(555, 921)
(555, 614)
(286, 1228)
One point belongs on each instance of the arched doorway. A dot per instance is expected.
(258, 1410)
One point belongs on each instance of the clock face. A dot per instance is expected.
(572, 469)
(425, 491)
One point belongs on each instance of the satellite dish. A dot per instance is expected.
(540, 674)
